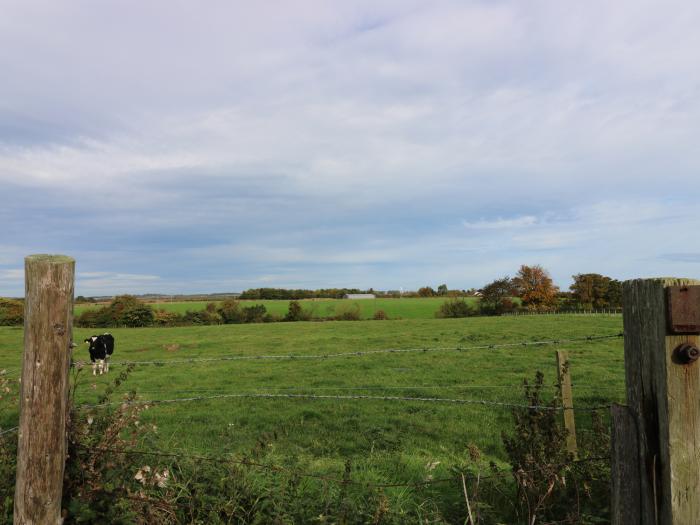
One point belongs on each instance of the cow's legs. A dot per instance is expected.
(101, 366)
(106, 364)
(94, 368)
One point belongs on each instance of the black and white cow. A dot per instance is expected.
(101, 347)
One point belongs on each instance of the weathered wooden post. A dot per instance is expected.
(662, 326)
(567, 401)
(48, 326)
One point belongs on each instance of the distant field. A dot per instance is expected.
(408, 308)
(386, 440)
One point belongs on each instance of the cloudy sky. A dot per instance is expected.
(210, 146)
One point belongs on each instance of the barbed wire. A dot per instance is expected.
(492, 346)
(152, 402)
(459, 386)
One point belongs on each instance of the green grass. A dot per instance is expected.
(408, 308)
(386, 440)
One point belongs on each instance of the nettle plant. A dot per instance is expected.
(102, 483)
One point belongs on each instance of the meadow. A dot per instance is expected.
(386, 440)
(405, 308)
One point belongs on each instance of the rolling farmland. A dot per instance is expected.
(408, 308)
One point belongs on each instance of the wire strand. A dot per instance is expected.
(589, 338)
(343, 398)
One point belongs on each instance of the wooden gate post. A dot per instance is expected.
(567, 400)
(48, 327)
(663, 396)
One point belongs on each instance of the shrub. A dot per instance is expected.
(127, 310)
(202, 317)
(296, 312)
(94, 319)
(348, 312)
(166, 318)
(230, 311)
(11, 312)
(124, 310)
(455, 308)
(380, 315)
(255, 314)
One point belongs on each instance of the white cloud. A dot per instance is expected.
(500, 224)
(139, 135)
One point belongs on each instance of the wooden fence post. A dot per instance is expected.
(48, 327)
(663, 396)
(624, 467)
(567, 400)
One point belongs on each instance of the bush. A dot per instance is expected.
(166, 318)
(348, 312)
(296, 312)
(453, 308)
(380, 315)
(11, 312)
(255, 314)
(94, 319)
(230, 312)
(202, 317)
(124, 310)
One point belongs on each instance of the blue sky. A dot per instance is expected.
(182, 147)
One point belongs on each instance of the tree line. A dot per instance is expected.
(531, 288)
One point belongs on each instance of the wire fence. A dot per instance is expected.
(278, 394)
(252, 395)
(492, 346)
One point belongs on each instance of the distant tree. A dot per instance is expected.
(535, 287)
(442, 289)
(296, 312)
(591, 290)
(614, 293)
(426, 291)
(496, 296)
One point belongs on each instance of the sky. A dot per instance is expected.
(195, 147)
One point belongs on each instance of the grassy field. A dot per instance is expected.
(386, 440)
(408, 308)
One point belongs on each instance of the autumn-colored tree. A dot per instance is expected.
(535, 287)
(590, 289)
(593, 290)
(426, 291)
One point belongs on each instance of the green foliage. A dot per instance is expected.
(255, 314)
(167, 318)
(550, 484)
(297, 313)
(496, 296)
(283, 293)
(8, 450)
(348, 312)
(230, 311)
(124, 310)
(11, 312)
(455, 307)
(442, 289)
